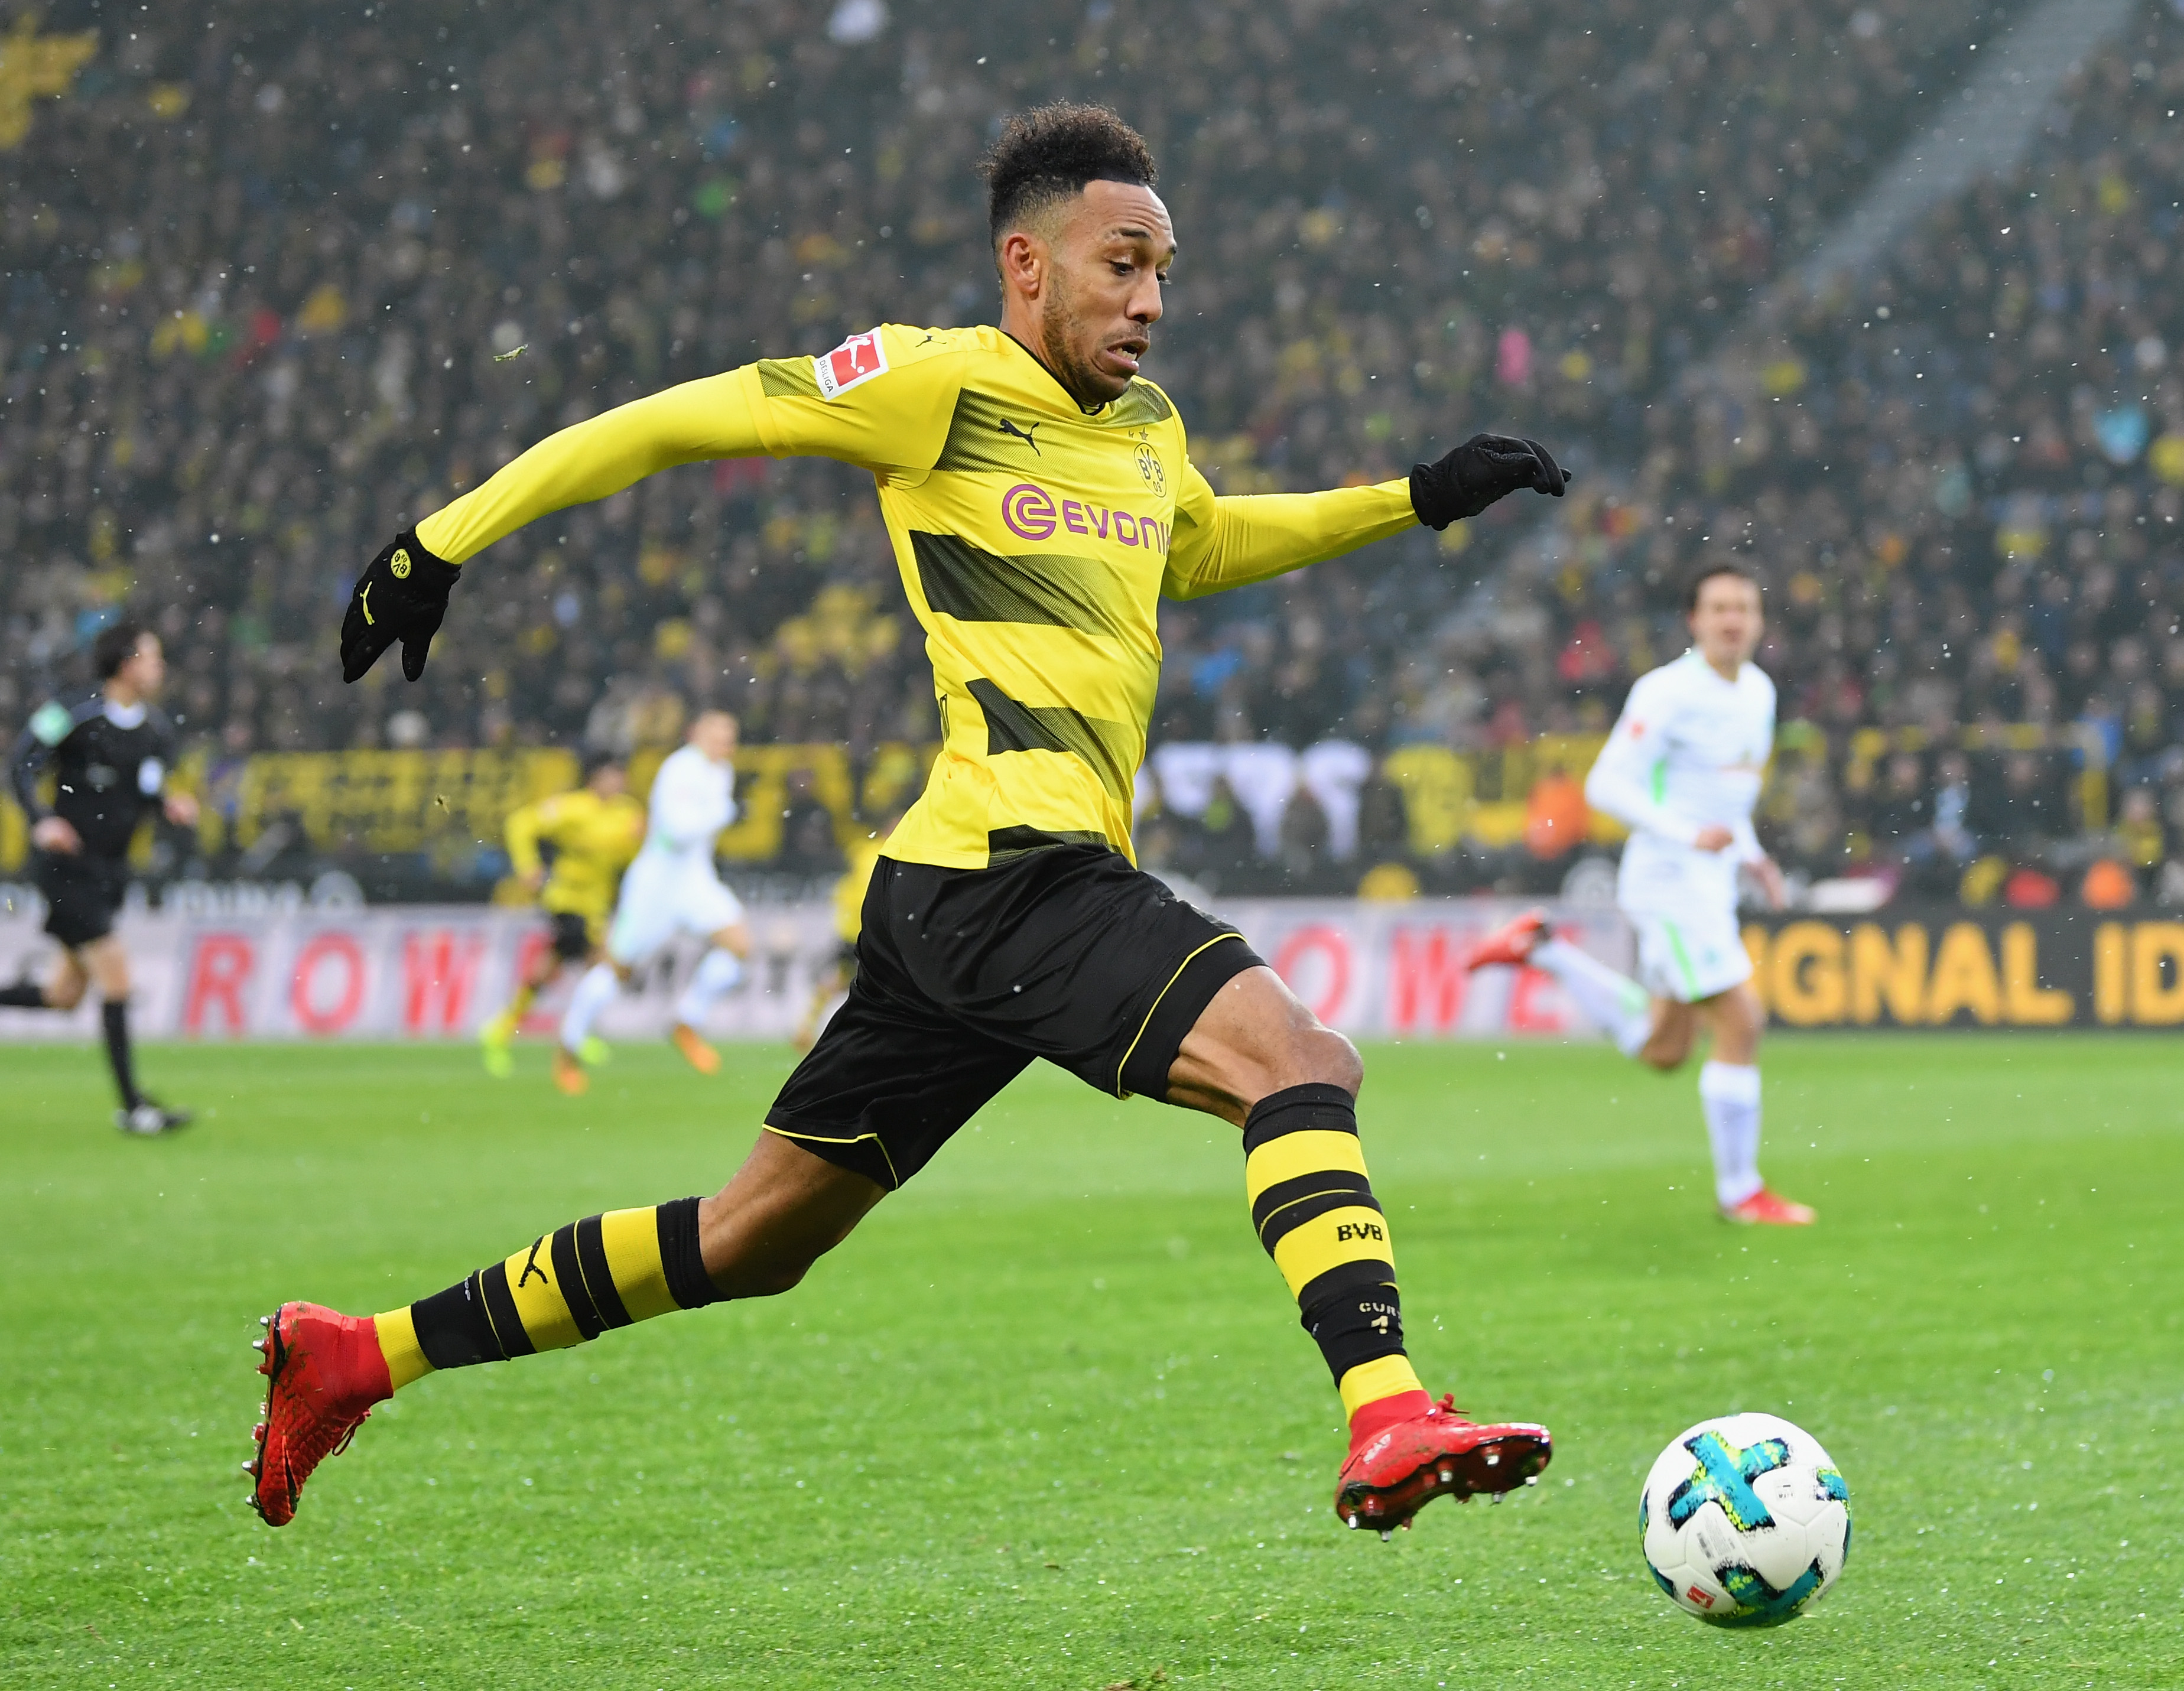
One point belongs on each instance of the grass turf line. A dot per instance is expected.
(1047, 1420)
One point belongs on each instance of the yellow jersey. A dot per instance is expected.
(593, 839)
(1034, 540)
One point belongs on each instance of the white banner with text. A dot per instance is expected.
(437, 971)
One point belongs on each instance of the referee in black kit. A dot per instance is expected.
(110, 750)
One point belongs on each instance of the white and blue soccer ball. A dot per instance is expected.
(1744, 1522)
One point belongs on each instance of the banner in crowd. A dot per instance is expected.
(422, 971)
(1378, 971)
(437, 971)
(1946, 967)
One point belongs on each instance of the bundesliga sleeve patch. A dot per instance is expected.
(857, 360)
(52, 723)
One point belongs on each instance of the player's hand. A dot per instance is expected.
(1466, 480)
(402, 595)
(55, 834)
(1714, 838)
(181, 809)
(533, 882)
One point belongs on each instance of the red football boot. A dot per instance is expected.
(1511, 944)
(325, 1372)
(1399, 1469)
(1767, 1209)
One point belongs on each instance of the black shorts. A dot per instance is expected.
(965, 975)
(572, 937)
(81, 895)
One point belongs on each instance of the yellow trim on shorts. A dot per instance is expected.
(792, 1135)
(1131, 1049)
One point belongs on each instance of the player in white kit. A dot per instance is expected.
(672, 888)
(1683, 770)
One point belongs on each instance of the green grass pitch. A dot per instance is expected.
(1048, 1419)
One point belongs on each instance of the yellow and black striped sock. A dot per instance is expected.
(1304, 1173)
(563, 1288)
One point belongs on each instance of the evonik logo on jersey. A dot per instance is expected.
(1033, 514)
(857, 360)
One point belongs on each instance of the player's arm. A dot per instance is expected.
(51, 724)
(526, 824)
(1621, 783)
(1231, 542)
(888, 413)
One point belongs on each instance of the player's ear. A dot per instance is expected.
(1022, 256)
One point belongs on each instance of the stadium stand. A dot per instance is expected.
(276, 283)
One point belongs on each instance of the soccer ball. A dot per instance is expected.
(1744, 1522)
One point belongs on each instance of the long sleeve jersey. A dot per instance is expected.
(594, 840)
(1689, 749)
(1034, 540)
(109, 764)
(693, 799)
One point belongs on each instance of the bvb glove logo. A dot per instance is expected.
(400, 564)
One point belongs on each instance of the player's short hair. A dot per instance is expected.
(1050, 153)
(116, 645)
(1708, 572)
(596, 761)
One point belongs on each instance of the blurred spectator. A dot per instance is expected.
(279, 281)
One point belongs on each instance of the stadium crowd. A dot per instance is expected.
(276, 286)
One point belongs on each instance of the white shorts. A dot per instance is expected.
(1691, 954)
(662, 897)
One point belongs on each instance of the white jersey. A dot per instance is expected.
(1689, 749)
(673, 888)
(693, 799)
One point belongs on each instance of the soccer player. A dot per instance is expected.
(110, 750)
(1041, 498)
(593, 832)
(672, 888)
(1683, 770)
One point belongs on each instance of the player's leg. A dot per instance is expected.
(1611, 1001)
(63, 990)
(1674, 1032)
(644, 921)
(888, 1082)
(826, 988)
(1729, 1096)
(108, 966)
(1257, 1058)
(569, 941)
(708, 907)
(758, 1236)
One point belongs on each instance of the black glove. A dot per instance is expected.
(1479, 472)
(402, 595)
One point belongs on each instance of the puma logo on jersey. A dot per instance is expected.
(1022, 434)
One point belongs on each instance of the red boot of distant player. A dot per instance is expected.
(1512, 944)
(326, 1371)
(1395, 1469)
(695, 1051)
(1768, 1209)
